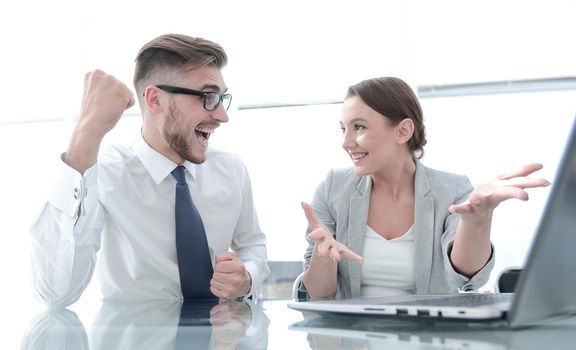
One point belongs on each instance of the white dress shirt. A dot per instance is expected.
(125, 204)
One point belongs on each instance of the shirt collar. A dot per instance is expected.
(157, 165)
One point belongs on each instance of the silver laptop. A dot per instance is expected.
(546, 286)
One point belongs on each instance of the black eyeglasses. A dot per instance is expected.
(211, 99)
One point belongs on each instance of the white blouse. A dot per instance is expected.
(388, 267)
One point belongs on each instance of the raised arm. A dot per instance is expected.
(104, 100)
(471, 249)
(66, 235)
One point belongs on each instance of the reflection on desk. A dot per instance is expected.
(271, 325)
(56, 329)
(346, 332)
(153, 325)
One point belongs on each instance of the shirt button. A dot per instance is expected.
(75, 192)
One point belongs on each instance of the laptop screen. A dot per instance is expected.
(547, 285)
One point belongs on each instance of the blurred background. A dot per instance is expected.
(496, 80)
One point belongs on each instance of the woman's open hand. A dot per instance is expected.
(325, 243)
(487, 196)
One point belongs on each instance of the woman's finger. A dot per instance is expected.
(334, 254)
(523, 171)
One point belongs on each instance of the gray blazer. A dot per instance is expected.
(341, 201)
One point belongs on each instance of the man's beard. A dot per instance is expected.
(175, 138)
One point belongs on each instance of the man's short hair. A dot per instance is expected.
(171, 54)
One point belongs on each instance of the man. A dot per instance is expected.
(122, 199)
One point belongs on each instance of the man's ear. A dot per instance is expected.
(152, 100)
(405, 130)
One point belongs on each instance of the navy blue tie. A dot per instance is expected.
(194, 263)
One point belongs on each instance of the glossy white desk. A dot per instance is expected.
(269, 325)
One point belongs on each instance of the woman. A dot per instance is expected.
(404, 228)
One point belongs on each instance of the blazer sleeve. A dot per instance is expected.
(322, 209)
(455, 279)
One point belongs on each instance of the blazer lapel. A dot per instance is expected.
(357, 219)
(423, 222)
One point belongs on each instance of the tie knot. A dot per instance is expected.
(179, 174)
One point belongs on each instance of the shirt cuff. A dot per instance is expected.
(254, 287)
(71, 189)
